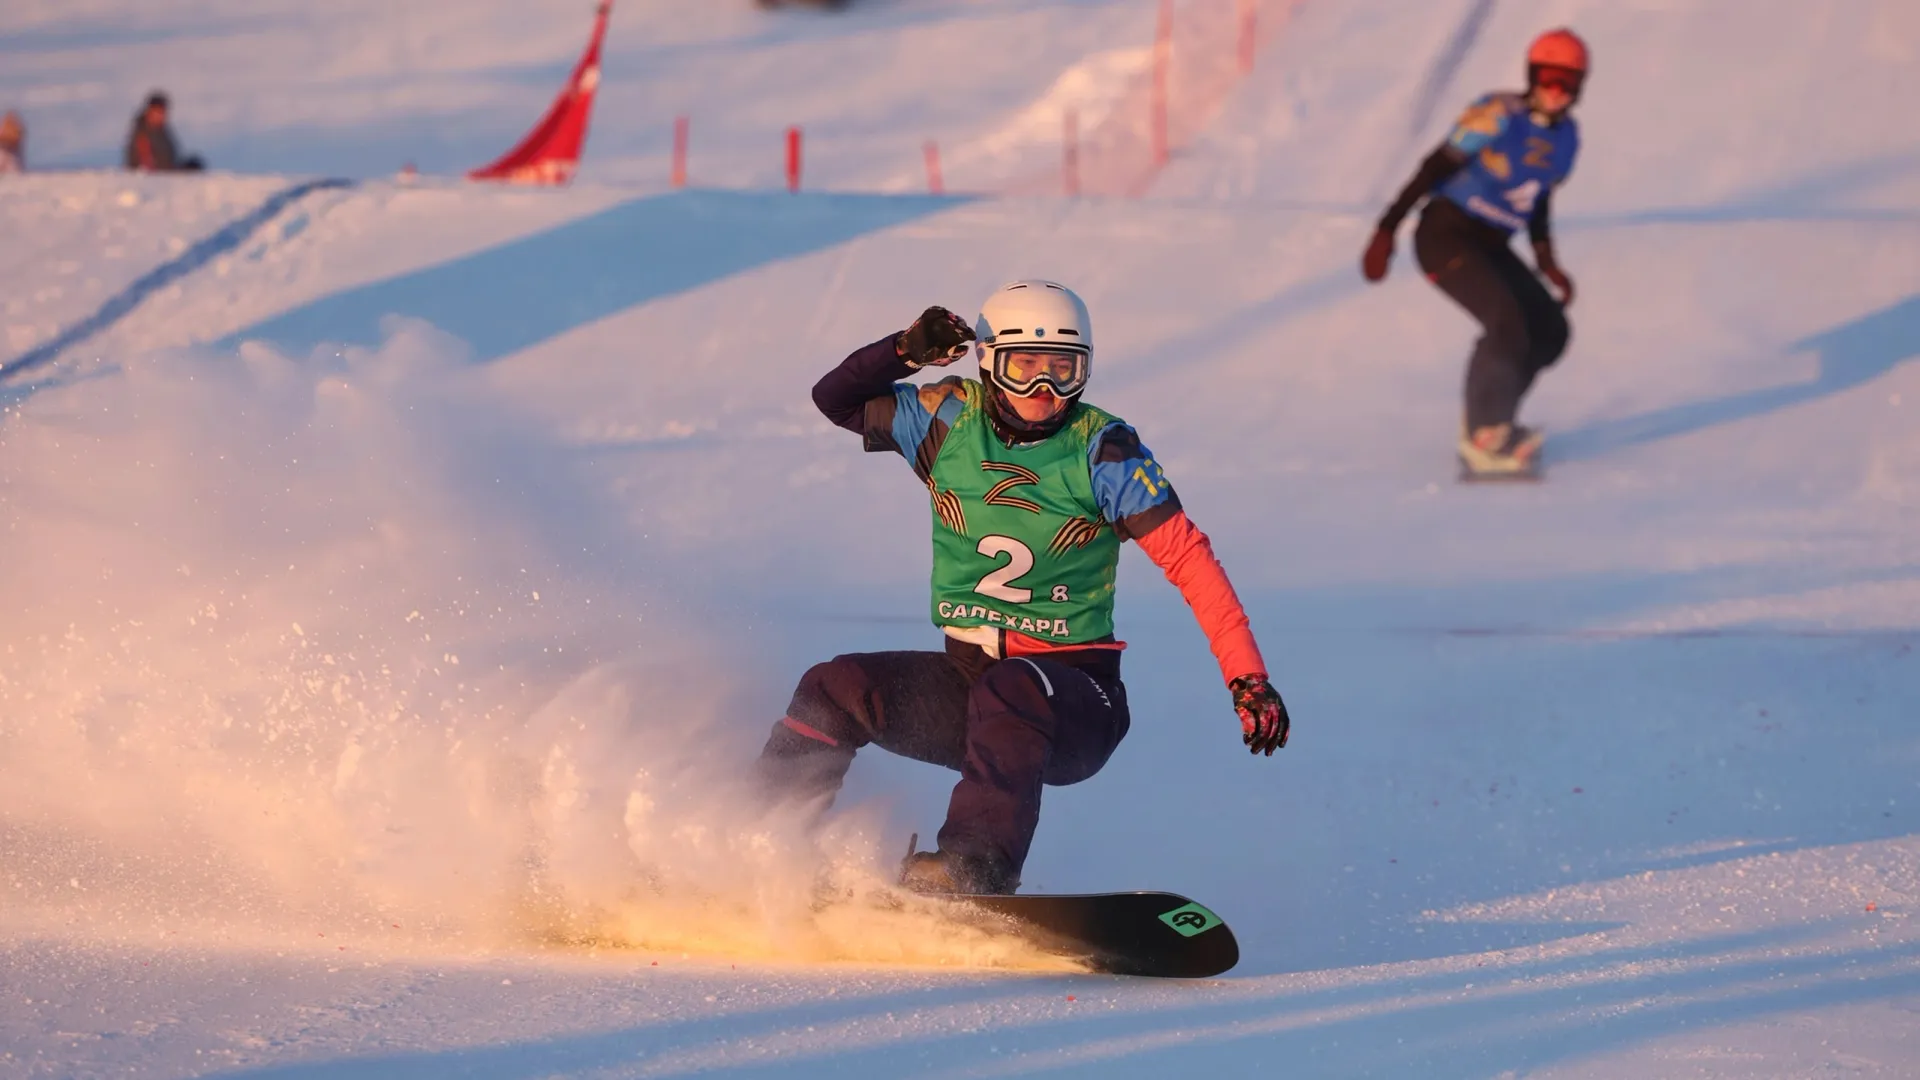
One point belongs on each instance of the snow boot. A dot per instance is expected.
(950, 873)
(1500, 450)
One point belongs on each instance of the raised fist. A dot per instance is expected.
(937, 338)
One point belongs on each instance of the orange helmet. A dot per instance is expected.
(1560, 48)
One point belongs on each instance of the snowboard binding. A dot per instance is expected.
(945, 873)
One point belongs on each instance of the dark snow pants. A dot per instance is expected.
(1525, 328)
(1009, 726)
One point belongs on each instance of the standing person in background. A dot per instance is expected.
(1492, 176)
(150, 145)
(13, 143)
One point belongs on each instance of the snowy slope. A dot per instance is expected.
(361, 87)
(1706, 110)
(394, 582)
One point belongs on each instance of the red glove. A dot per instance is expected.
(1550, 269)
(1373, 265)
(1560, 281)
(1263, 716)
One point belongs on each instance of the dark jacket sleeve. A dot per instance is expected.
(842, 394)
(166, 157)
(1540, 223)
(151, 148)
(1434, 171)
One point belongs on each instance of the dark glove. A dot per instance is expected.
(1550, 269)
(1263, 716)
(937, 338)
(1379, 255)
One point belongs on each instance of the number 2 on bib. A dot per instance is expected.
(999, 583)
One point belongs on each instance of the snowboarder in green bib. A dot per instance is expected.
(1033, 491)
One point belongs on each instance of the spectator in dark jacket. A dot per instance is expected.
(150, 145)
(13, 143)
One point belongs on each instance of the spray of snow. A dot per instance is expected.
(343, 645)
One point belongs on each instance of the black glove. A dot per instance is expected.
(1373, 265)
(1263, 716)
(937, 338)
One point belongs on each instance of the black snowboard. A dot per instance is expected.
(1532, 474)
(1157, 934)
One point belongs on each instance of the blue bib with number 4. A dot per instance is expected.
(1511, 159)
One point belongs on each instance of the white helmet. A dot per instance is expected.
(1029, 317)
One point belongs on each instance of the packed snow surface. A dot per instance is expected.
(397, 577)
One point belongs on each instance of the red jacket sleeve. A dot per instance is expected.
(1182, 552)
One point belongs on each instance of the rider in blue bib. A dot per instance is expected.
(1495, 175)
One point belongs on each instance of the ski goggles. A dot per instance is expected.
(1022, 371)
(1565, 80)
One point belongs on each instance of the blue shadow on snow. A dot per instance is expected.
(225, 239)
(516, 295)
(1526, 1016)
(1850, 354)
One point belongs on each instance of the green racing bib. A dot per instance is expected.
(1019, 542)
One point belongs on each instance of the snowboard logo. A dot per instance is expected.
(1191, 919)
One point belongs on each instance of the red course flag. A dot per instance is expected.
(551, 151)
